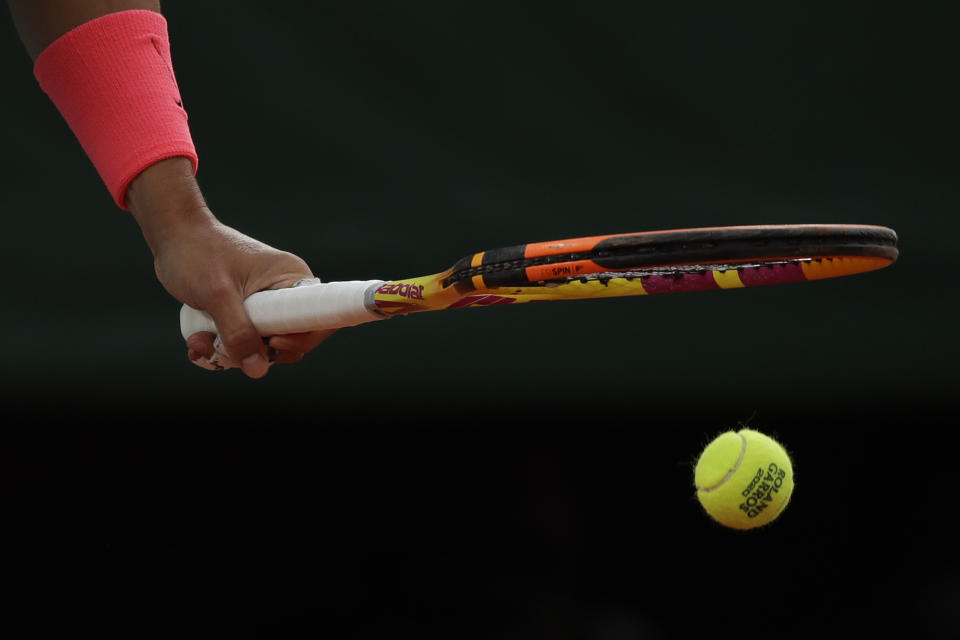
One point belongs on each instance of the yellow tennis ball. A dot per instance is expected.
(744, 479)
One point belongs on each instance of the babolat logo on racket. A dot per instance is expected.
(413, 291)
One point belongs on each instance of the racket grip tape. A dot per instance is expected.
(311, 307)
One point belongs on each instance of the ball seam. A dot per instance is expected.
(743, 453)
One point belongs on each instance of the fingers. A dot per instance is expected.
(200, 345)
(287, 357)
(288, 348)
(240, 339)
(300, 342)
(243, 343)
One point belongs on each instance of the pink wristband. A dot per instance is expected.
(112, 80)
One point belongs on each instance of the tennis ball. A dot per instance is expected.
(744, 479)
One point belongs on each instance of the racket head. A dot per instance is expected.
(645, 263)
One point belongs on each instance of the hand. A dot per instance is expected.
(233, 267)
(212, 267)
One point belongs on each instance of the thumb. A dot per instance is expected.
(240, 339)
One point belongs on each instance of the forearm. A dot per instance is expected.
(106, 64)
(40, 22)
(142, 128)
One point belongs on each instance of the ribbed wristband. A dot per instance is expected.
(112, 80)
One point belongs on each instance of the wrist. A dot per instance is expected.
(166, 200)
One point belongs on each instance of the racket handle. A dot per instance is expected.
(308, 307)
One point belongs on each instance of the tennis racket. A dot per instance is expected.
(628, 264)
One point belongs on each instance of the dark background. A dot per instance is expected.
(504, 472)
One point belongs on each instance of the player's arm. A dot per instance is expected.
(200, 261)
(40, 22)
